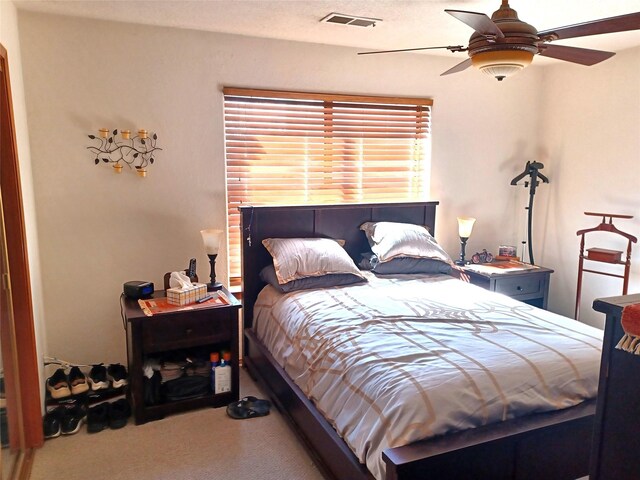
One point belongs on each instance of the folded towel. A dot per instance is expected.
(630, 342)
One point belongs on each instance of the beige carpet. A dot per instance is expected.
(197, 445)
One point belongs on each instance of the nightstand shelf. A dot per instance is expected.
(530, 286)
(211, 329)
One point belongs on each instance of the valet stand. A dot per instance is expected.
(604, 255)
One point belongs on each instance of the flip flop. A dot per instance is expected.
(248, 407)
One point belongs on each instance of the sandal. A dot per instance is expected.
(248, 407)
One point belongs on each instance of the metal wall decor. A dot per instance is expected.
(137, 152)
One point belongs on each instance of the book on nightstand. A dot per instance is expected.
(500, 267)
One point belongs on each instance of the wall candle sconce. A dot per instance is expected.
(465, 227)
(136, 152)
(211, 239)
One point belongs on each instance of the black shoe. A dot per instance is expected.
(52, 422)
(72, 419)
(58, 385)
(4, 433)
(117, 374)
(97, 418)
(98, 377)
(119, 413)
(77, 381)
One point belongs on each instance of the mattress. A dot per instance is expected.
(405, 358)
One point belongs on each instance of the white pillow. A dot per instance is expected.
(295, 258)
(389, 240)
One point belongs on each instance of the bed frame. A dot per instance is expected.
(553, 446)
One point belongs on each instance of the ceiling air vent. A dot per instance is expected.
(350, 20)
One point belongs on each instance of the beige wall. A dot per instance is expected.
(98, 229)
(591, 130)
(10, 40)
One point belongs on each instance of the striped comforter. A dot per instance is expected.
(405, 358)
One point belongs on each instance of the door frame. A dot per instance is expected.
(27, 378)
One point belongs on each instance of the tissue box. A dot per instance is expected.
(180, 296)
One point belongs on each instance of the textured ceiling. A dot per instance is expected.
(405, 23)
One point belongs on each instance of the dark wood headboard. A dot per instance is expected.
(329, 221)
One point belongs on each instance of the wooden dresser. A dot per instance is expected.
(616, 443)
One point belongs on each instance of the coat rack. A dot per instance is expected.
(604, 255)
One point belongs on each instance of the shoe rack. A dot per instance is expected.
(86, 398)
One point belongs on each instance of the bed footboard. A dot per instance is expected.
(554, 446)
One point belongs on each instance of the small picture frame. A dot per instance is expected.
(507, 251)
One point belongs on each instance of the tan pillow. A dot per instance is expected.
(295, 258)
(389, 240)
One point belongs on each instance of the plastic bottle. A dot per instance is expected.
(214, 359)
(223, 374)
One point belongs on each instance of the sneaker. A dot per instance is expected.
(119, 413)
(52, 422)
(72, 419)
(98, 377)
(97, 418)
(117, 374)
(77, 381)
(57, 384)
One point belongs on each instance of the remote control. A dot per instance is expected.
(191, 272)
(204, 299)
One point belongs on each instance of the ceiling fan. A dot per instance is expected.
(503, 44)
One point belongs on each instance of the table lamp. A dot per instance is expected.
(465, 227)
(211, 239)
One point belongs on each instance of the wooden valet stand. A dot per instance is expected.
(604, 255)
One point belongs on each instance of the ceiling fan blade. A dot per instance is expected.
(454, 48)
(583, 56)
(622, 23)
(479, 22)
(458, 68)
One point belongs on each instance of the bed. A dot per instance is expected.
(537, 444)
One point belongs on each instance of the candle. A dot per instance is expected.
(142, 133)
(126, 134)
(104, 132)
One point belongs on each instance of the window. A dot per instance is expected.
(289, 148)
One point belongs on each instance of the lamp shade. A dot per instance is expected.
(465, 226)
(502, 63)
(211, 239)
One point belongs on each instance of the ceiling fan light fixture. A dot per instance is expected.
(501, 64)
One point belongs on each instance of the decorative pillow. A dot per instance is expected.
(389, 240)
(403, 265)
(268, 275)
(295, 258)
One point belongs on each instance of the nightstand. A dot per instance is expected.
(211, 328)
(529, 286)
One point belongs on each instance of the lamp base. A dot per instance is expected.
(463, 245)
(214, 287)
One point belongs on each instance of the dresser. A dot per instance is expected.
(615, 450)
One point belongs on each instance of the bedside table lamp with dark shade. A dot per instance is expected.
(465, 227)
(212, 239)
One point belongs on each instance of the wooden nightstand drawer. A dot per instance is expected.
(164, 333)
(521, 285)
